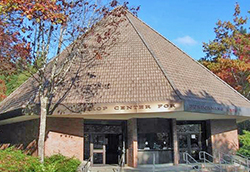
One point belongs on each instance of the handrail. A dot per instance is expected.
(240, 162)
(243, 156)
(120, 163)
(245, 162)
(195, 165)
(86, 167)
(221, 159)
(205, 160)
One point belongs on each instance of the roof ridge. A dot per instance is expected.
(192, 59)
(154, 56)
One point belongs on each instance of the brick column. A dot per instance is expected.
(175, 143)
(132, 142)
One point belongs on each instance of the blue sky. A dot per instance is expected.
(188, 23)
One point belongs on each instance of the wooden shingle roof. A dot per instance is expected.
(142, 67)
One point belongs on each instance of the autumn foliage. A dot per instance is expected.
(12, 47)
(37, 30)
(16, 29)
(228, 55)
(3, 90)
(35, 9)
(17, 21)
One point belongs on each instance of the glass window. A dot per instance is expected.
(188, 128)
(154, 134)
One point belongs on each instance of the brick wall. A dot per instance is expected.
(22, 135)
(132, 142)
(224, 136)
(64, 135)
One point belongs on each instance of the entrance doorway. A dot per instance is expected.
(113, 148)
(190, 143)
(191, 139)
(104, 141)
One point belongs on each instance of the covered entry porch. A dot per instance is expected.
(104, 141)
(131, 138)
(141, 141)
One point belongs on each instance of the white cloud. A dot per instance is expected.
(186, 40)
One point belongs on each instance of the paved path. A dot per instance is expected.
(145, 168)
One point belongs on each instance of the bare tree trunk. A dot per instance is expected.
(42, 130)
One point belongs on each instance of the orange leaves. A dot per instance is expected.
(3, 90)
(35, 9)
(233, 71)
(228, 55)
(12, 49)
(15, 33)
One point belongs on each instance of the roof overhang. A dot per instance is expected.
(215, 108)
(180, 116)
(119, 108)
(188, 110)
(11, 114)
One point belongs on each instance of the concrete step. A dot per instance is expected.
(146, 168)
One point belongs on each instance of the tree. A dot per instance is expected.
(2, 90)
(13, 47)
(245, 143)
(48, 27)
(235, 72)
(228, 55)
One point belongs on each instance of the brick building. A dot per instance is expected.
(145, 97)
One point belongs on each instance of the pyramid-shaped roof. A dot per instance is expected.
(143, 67)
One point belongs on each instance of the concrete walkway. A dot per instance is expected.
(166, 168)
(144, 168)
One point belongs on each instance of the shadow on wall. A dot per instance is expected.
(225, 145)
(30, 149)
(21, 136)
(224, 137)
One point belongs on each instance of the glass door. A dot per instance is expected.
(195, 145)
(190, 140)
(98, 149)
(104, 141)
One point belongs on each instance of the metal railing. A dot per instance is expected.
(191, 161)
(246, 161)
(85, 166)
(206, 158)
(239, 159)
(208, 161)
(120, 163)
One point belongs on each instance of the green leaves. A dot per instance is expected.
(245, 143)
(9, 83)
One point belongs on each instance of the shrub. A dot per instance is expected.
(60, 163)
(244, 143)
(15, 160)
